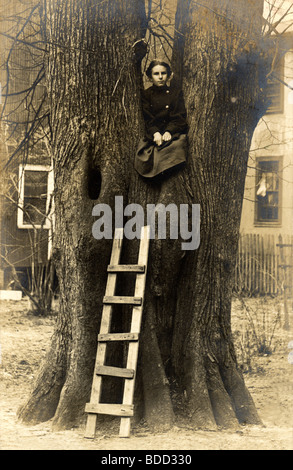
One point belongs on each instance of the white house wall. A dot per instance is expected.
(273, 137)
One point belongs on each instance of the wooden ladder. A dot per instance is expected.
(125, 410)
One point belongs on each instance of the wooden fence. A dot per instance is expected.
(263, 266)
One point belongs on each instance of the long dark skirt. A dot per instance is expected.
(151, 160)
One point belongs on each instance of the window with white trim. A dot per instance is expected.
(268, 191)
(35, 189)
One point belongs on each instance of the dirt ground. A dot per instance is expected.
(269, 377)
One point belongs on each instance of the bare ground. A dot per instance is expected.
(269, 377)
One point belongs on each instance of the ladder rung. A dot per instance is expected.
(126, 268)
(118, 337)
(109, 409)
(124, 410)
(122, 300)
(115, 372)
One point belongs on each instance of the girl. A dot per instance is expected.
(164, 145)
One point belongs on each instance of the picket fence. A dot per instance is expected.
(264, 264)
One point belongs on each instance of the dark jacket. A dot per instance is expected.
(163, 110)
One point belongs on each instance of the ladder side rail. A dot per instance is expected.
(104, 329)
(135, 327)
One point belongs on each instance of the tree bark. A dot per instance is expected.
(189, 294)
(94, 97)
(222, 87)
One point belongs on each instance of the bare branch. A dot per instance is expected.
(273, 27)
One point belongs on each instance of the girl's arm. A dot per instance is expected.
(149, 118)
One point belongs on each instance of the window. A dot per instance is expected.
(268, 207)
(275, 90)
(35, 188)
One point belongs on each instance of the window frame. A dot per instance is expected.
(279, 109)
(21, 180)
(268, 222)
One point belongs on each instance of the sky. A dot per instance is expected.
(275, 9)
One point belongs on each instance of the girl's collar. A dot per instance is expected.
(160, 88)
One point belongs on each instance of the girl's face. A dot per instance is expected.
(159, 75)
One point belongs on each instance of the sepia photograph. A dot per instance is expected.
(146, 227)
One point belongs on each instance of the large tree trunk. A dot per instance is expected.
(221, 84)
(94, 96)
(187, 361)
(187, 344)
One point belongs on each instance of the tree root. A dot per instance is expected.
(42, 403)
(243, 403)
(218, 398)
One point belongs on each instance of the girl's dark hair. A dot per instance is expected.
(158, 62)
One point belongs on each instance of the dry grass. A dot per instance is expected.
(262, 348)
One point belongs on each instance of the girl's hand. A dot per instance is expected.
(158, 139)
(167, 136)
